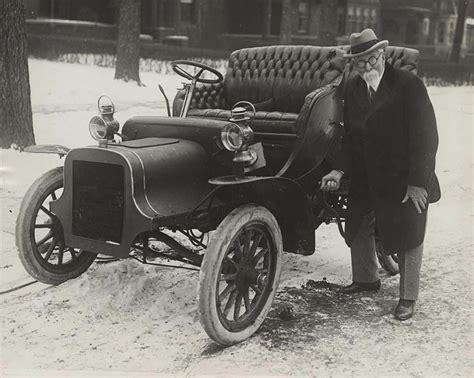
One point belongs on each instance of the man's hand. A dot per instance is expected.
(332, 181)
(418, 196)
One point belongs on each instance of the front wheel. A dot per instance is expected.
(240, 274)
(39, 235)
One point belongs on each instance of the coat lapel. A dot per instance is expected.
(384, 92)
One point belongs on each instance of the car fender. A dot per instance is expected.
(287, 202)
(48, 149)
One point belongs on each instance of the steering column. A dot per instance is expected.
(189, 87)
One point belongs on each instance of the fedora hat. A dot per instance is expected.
(364, 42)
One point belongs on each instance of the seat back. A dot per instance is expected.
(277, 78)
(404, 58)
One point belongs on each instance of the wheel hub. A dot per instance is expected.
(246, 275)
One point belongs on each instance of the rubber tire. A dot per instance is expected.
(210, 269)
(27, 250)
(387, 262)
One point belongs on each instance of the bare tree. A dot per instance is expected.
(128, 42)
(286, 18)
(16, 124)
(459, 31)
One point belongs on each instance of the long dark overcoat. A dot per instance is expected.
(390, 142)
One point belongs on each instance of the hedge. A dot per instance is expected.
(52, 47)
(102, 51)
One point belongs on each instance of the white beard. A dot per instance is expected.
(372, 78)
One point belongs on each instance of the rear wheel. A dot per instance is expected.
(240, 274)
(39, 235)
(388, 262)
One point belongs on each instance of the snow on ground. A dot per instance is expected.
(123, 317)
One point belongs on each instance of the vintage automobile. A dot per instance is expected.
(240, 158)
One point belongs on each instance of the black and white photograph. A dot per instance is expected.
(235, 188)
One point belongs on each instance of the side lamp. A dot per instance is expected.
(103, 128)
(236, 136)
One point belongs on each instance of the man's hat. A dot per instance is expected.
(364, 42)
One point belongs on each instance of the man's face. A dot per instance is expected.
(370, 65)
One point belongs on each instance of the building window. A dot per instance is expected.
(358, 12)
(341, 21)
(303, 17)
(350, 11)
(441, 32)
(391, 27)
(366, 12)
(443, 5)
(426, 26)
(374, 13)
(470, 38)
(188, 11)
(165, 13)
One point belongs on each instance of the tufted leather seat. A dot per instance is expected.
(276, 79)
(283, 75)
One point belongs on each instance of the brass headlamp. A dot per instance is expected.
(103, 128)
(237, 135)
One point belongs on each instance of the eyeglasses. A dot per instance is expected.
(360, 63)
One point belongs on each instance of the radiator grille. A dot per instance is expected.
(98, 201)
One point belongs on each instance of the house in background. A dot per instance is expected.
(362, 14)
(444, 18)
(406, 22)
(102, 11)
(221, 24)
(257, 22)
(426, 24)
(230, 24)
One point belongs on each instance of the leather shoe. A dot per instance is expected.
(357, 287)
(404, 309)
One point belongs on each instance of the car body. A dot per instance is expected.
(255, 190)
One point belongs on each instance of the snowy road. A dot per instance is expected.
(122, 317)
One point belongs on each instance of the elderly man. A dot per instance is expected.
(388, 152)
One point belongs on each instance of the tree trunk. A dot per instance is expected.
(128, 42)
(286, 18)
(16, 124)
(459, 31)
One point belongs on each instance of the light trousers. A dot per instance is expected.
(364, 260)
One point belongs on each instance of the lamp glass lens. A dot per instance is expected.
(97, 128)
(232, 137)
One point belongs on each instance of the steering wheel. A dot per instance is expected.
(182, 72)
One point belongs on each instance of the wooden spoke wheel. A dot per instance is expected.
(387, 262)
(39, 235)
(240, 274)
